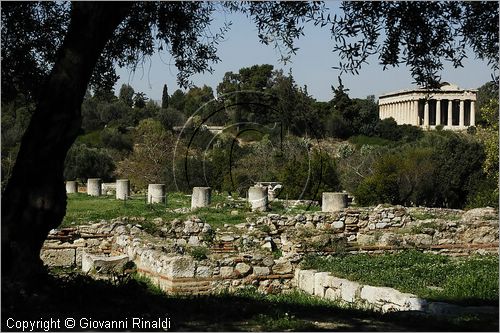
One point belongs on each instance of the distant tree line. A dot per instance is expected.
(283, 134)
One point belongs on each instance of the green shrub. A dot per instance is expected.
(199, 252)
(83, 162)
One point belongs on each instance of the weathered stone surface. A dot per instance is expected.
(268, 261)
(349, 290)
(333, 201)
(94, 187)
(260, 271)
(422, 239)
(257, 197)
(122, 189)
(201, 197)
(320, 283)
(388, 239)
(332, 294)
(227, 238)
(103, 264)
(156, 193)
(226, 271)
(365, 239)
(203, 271)
(338, 225)
(282, 267)
(306, 280)
(383, 295)
(486, 213)
(190, 227)
(194, 240)
(242, 269)
(179, 267)
(71, 186)
(58, 257)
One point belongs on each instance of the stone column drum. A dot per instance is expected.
(122, 189)
(71, 186)
(94, 187)
(333, 201)
(202, 196)
(156, 193)
(257, 197)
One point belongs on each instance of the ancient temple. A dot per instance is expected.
(450, 106)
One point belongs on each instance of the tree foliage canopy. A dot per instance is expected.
(419, 34)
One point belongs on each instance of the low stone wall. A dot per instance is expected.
(381, 228)
(384, 299)
(189, 256)
(64, 247)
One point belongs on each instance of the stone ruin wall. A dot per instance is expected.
(265, 252)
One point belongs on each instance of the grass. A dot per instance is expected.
(60, 296)
(82, 209)
(471, 281)
(429, 216)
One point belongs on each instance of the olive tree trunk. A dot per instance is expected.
(34, 200)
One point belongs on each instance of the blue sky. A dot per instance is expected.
(311, 66)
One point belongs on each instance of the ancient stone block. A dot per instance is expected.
(103, 264)
(94, 187)
(122, 189)
(320, 283)
(58, 257)
(332, 294)
(190, 227)
(242, 269)
(384, 295)
(338, 225)
(181, 267)
(156, 193)
(364, 239)
(203, 271)
(257, 197)
(333, 201)
(226, 271)
(261, 271)
(201, 197)
(306, 281)
(71, 186)
(282, 267)
(349, 290)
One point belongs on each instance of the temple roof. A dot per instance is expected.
(444, 87)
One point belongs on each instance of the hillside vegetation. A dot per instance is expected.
(275, 131)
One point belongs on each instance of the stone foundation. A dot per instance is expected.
(189, 256)
(383, 299)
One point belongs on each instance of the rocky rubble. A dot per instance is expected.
(190, 256)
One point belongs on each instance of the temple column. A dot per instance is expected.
(426, 113)
(409, 105)
(473, 113)
(462, 114)
(438, 112)
(407, 112)
(450, 112)
(403, 112)
(415, 113)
